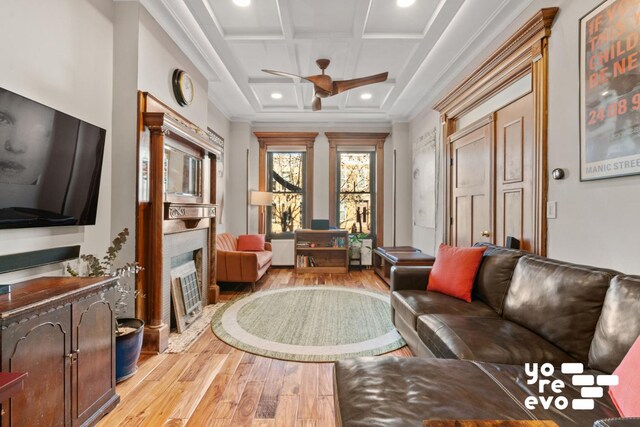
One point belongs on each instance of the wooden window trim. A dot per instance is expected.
(525, 52)
(287, 139)
(355, 139)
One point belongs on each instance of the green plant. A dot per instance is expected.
(358, 239)
(96, 267)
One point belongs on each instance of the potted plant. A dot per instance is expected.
(128, 330)
(356, 241)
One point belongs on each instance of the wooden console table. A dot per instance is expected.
(317, 251)
(61, 331)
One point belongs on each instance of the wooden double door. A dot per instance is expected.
(492, 181)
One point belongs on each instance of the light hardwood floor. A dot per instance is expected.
(213, 384)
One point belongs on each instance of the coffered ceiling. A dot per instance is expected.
(422, 46)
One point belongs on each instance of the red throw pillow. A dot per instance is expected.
(625, 394)
(454, 271)
(251, 242)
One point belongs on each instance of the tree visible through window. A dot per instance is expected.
(286, 178)
(356, 207)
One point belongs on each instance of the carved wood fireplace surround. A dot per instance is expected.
(176, 211)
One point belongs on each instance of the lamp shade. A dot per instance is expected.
(261, 198)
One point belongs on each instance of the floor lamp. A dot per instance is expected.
(261, 199)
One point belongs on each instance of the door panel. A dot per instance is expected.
(471, 191)
(462, 227)
(94, 370)
(40, 347)
(514, 172)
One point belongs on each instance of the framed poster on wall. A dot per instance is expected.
(610, 90)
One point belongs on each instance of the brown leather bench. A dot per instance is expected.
(385, 257)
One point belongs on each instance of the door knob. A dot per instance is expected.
(485, 233)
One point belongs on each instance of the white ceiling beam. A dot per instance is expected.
(286, 22)
(445, 11)
(204, 16)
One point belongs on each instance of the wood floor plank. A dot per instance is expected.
(287, 411)
(292, 379)
(258, 422)
(260, 369)
(326, 416)
(209, 401)
(273, 385)
(213, 384)
(248, 404)
(198, 386)
(325, 379)
(308, 404)
(125, 387)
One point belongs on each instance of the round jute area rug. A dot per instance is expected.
(309, 323)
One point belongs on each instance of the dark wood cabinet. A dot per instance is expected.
(61, 332)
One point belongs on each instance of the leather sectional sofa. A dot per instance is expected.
(471, 356)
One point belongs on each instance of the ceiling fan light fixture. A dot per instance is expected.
(242, 3)
(405, 3)
(366, 96)
(276, 95)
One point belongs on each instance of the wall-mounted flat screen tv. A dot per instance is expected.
(50, 165)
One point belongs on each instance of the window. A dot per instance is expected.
(356, 195)
(356, 192)
(285, 168)
(286, 173)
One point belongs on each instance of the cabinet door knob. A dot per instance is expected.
(485, 233)
(73, 356)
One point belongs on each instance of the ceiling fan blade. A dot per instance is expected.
(340, 86)
(322, 81)
(316, 105)
(283, 74)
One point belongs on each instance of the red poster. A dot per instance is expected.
(610, 90)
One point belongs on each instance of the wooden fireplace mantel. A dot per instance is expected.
(160, 214)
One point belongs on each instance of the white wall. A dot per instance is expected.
(60, 53)
(158, 57)
(401, 138)
(221, 125)
(597, 221)
(423, 238)
(236, 187)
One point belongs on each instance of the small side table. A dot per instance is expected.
(11, 383)
(385, 258)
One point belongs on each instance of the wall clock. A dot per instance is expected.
(182, 87)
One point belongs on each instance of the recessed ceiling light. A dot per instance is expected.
(365, 96)
(405, 3)
(276, 95)
(245, 3)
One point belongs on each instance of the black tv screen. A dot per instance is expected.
(50, 165)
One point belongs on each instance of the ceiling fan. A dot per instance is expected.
(324, 86)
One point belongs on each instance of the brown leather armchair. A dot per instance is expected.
(240, 266)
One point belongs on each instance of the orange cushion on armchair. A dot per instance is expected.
(251, 242)
(454, 271)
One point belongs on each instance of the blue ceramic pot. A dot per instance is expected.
(128, 349)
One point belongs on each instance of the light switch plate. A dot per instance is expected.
(551, 210)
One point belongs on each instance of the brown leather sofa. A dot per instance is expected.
(526, 309)
(240, 266)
